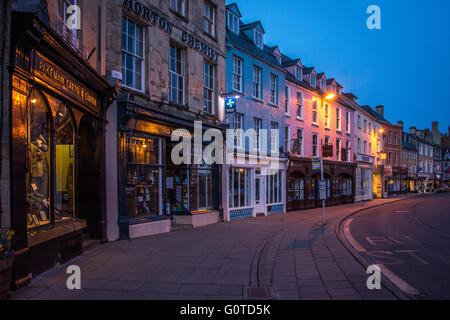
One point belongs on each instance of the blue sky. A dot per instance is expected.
(404, 66)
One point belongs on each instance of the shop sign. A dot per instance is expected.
(148, 14)
(322, 190)
(230, 105)
(327, 151)
(383, 156)
(388, 171)
(157, 129)
(199, 46)
(48, 72)
(364, 158)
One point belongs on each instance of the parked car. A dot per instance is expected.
(441, 188)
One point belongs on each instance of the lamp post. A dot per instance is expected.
(328, 97)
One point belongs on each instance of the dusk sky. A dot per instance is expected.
(405, 66)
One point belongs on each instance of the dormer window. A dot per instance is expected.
(313, 81)
(299, 74)
(232, 22)
(259, 39)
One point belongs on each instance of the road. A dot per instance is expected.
(411, 239)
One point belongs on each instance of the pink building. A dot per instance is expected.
(317, 115)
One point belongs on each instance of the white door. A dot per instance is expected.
(260, 199)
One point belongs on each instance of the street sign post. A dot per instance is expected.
(317, 163)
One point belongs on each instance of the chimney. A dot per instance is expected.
(435, 126)
(412, 130)
(380, 110)
(400, 123)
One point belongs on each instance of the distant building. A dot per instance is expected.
(409, 162)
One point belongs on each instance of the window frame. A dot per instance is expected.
(257, 82)
(133, 56)
(182, 75)
(209, 20)
(212, 90)
(237, 64)
(274, 89)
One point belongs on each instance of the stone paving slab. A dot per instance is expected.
(292, 253)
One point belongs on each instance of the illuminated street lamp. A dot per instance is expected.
(330, 96)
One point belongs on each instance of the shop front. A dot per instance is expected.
(153, 190)
(364, 176)
(302, 184)
(57, 154)
(255, 187)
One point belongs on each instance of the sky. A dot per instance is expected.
(404, 66)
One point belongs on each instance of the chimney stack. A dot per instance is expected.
(412, 130)
(435, 126)
(380, 110)
(400, 123)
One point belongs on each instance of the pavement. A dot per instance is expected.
(410, 241)
(287, 256)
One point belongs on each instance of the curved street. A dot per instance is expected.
(290, 256)
(412, 240)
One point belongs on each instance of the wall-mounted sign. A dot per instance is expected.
(199, 45)
(383, 156)
(388, 171)
(148, 14)
(327, 150)
(230, 105)
(116, 75)
(158, 129)
(316, 163)
(364, 158)
(53, 75)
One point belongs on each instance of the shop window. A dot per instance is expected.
(274, 187)
(143, 176)
(240, 187)
(65, 164)
(201, 189)
(38, 155)
(296, 189)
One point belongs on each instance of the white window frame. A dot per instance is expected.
(347, 122)
(257, 124)
(177, 75)
(300, 141)
(135, 56)
(232, 22)
(209, 88)
(327, 116)
(299, 105)
(257, 87)
(274, 137)
(299, 73)
(237, 74)
(259, 39)
(315, 112)
(208, 20)
(273, 89)
(315, 147)
(287, 101)
(238, 119)
(179, 6)
(338, 119)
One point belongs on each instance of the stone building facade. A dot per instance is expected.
(168, 58)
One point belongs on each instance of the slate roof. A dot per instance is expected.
(246, 44)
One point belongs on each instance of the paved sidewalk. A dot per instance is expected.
(292, 253)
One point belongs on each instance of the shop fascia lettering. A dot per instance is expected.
(198, 45)
(148, 14)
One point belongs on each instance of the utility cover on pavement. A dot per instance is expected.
(258, 293)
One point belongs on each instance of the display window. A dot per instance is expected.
(296, 189)
(240, 187)
(143, 179)
(201, 188)
(64, 165)
(274, 187)
(37, 161)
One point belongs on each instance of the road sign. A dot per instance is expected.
(322, 190)
(316, 163)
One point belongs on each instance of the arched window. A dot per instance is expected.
(38, 155)
(64, 165)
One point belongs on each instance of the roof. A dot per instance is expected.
(375, 114)
(246, 44)
(235, 9)
(308, 70)
(256, 25)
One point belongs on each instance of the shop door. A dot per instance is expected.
(89, 180)
(177, 185)
(260, 203)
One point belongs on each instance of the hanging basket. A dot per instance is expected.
(5, 277)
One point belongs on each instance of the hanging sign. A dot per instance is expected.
(230, 105)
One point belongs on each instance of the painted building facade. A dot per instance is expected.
(256, 170)
(317, 116)
(409, 162)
